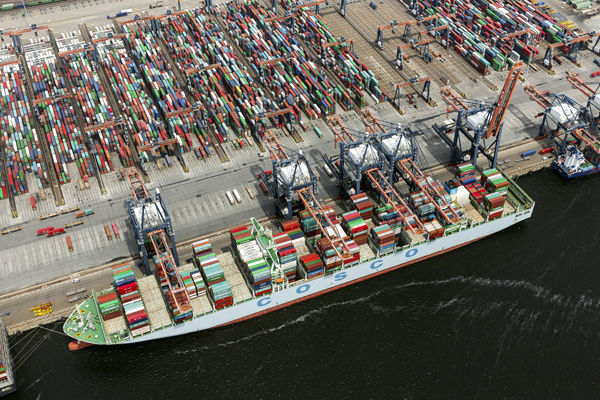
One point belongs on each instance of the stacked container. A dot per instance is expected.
(198, 282)
(188, 282)
(313, 265)
(20, 140)
(363, 205)
(134, 102)
(355, 76)
(296, 82)
(494, 205)
(286, 254)
(166, 91)
(108, 303)
(420, 202)
(135, 311)
(229, 97)
(3, 371)
(494, 181)
(382, 239)
(325, 249)
(221, 294)
(96, 110)
(355, 226)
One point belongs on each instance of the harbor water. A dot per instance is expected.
(516, 315)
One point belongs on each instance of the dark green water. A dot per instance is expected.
(514, 316)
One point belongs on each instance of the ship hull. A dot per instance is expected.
(305, 290)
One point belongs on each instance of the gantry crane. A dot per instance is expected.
(571, 47)
(342, 41)
(483, 120)
(421, 47)
(259, 124)
(593, 102)
(561, 116)
(425, 92)
(147, 215)
(407, 30)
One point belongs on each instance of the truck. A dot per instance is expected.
(107, 231)
(55, 232)
(44, 231)
(115, 230)
(69, 243)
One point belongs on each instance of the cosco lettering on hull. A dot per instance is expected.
(338, 277)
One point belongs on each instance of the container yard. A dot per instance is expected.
(200, 103)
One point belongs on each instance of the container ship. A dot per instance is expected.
(7, 378)
(315, 252)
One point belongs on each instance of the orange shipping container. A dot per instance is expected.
(107, 231)
(69, 243)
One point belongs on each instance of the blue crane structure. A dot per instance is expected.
(562, 116)
(289, 175)
(147, 215)
(478, 122)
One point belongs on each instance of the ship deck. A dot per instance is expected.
(94, 331)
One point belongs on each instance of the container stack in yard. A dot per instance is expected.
(477, 29)
(355, 76)
(251, 260)
(57, 116)
(166, 90)
(297, 82)
(20, 141)
(135, 103)
(228, 94)
(96, 110)
(135, 311)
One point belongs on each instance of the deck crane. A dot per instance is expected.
(453, 101)
(147, 215)
(560, 118)
(425, 92)
(593, 102)
(479, 122)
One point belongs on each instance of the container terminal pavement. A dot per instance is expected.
(77, 121)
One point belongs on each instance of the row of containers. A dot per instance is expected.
(477, 29)
(56, 114)
(95, 108)
(20, 140)
(165, 90)
(294, 74)
(212, 274)
(230, 99)
(133, 100)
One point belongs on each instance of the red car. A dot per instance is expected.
(595, 74)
